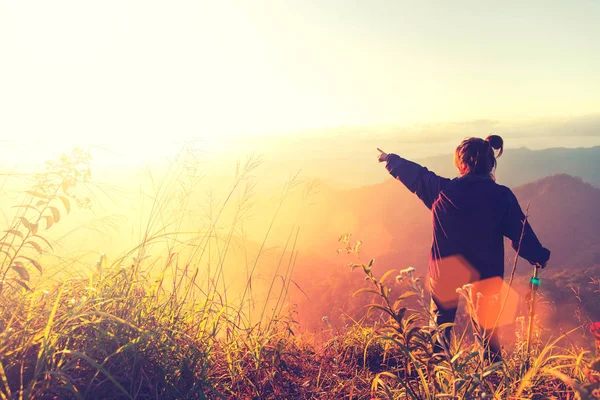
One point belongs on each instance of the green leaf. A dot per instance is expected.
(400, 314)
(463, 364)
(43, 239)
(15, 232)
(386, 275)
(412, 318)
(491, 368)
(65, 186)
(25, 223)
(416, 332)
(66, 203)
(443, 326)
(403, 297)
(55, 213)
(35, 263)
(407, 294)
(21, 270)
(385, 291)
(49, 221)
(35, 246)
(23, 284)
(381, 308)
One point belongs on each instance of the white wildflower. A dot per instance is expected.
(465, 288)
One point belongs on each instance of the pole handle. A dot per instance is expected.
(535, 279)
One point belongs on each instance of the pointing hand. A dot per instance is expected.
(382, 155)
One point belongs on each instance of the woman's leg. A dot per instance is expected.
(493, 350)
(444, 312)
(487, 299)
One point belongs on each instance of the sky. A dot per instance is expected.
(136, 79)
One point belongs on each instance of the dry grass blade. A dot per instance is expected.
(6, 392)
(40, 195)
(98, 367)
(7, 245)
(26, 206)
(539, 361)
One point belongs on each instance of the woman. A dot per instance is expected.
(471, 216)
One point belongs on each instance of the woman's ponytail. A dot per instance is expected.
(496, 143)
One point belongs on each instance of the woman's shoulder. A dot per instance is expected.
(506, 192)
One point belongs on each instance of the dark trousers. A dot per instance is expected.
(446, 312)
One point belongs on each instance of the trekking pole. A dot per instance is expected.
(533, 287)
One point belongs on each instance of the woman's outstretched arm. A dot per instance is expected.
(418, 179)
(522, 237)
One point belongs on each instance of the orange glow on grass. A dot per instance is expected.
(496, 303)
(453, 272)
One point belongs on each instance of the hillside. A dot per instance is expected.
(563, 211)
(396, 230)
(395, 225)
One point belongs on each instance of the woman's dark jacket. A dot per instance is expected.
(471, 215)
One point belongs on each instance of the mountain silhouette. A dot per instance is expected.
(356, 166)
(520, 166)
(563, 212)
(396, 230)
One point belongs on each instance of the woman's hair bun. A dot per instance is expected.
(496, 143)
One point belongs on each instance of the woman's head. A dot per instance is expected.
(476, 156)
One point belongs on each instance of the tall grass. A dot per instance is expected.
(161, 321)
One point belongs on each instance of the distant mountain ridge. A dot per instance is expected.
(396, 227)
(564, 212)
(520, 166)
(355, 168)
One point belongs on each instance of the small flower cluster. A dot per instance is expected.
(405, 272)
(465, 289)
